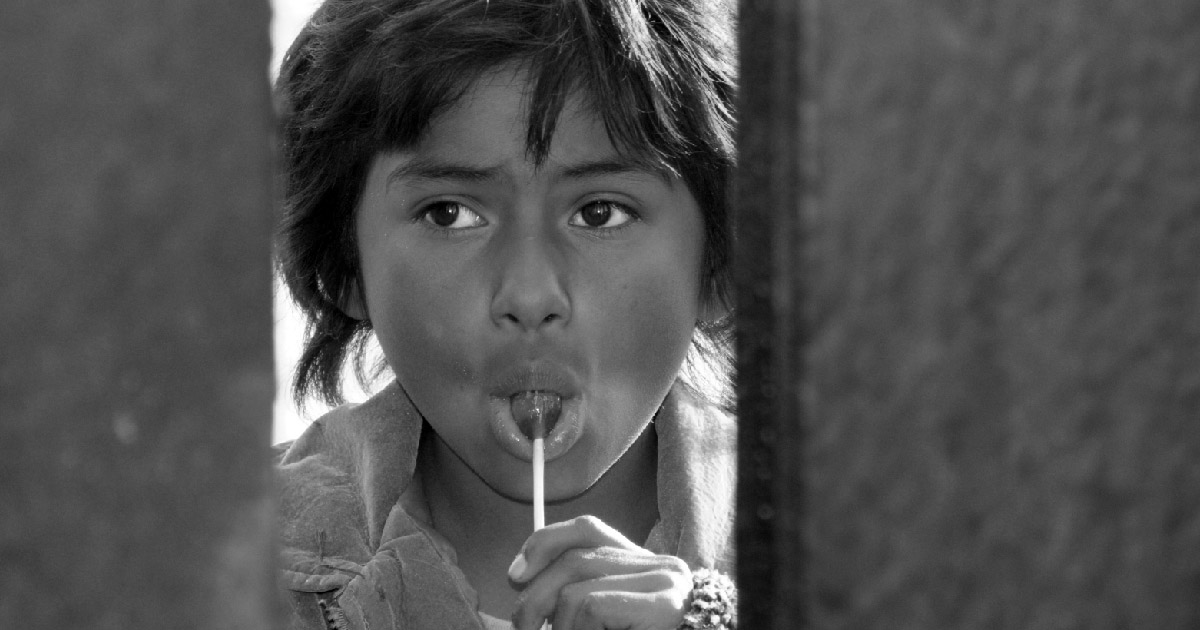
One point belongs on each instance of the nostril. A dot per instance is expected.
(530, 310)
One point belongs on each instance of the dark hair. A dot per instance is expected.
(366, 76)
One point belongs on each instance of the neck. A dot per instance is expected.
(485, 546)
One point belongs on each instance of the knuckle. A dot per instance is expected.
(680, 583)
(589, 524)
(664, 581)
(674, 564)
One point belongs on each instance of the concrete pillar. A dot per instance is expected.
(135, 325)
(970, 260)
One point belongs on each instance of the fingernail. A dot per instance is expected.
(517, 568)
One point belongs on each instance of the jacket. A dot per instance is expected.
(357, 548)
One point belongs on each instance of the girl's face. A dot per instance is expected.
(485, 275)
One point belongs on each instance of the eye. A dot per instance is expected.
(451, 215)
(602, 214)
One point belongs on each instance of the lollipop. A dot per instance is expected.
(536, 413)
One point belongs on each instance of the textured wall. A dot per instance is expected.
(135, 325)
(995, 286)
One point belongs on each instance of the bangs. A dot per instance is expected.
(660, 88)
(642, 68)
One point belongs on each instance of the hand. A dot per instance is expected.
(582, 574)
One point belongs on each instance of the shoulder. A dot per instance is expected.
(339, 479)
(697, 458)
(320, 504)
(697, 426)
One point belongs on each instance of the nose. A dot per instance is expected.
(530, 291)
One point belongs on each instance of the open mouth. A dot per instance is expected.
(528, 384)
(559, 438)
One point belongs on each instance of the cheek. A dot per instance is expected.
(651, 326)
(418, 323)
(661, 297)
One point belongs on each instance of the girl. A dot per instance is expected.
(515, 198)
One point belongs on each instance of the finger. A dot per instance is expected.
(645, 600)
(546, 544)
(543, 593)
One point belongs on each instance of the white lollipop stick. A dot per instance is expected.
(536, 413)
(539, 483)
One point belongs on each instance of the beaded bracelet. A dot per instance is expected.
(714, 602)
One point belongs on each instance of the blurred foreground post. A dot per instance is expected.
(970, 305)
(135, 315)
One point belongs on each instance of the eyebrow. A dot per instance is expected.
(620, 166)
(435, 170)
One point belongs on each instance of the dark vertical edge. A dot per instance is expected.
(768, 189)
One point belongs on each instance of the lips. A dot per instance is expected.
(530, 376)
(535, 376)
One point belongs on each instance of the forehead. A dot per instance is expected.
(490, 123)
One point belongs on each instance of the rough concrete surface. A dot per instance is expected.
(985, 251)
(135, 331)
(1000, 277)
